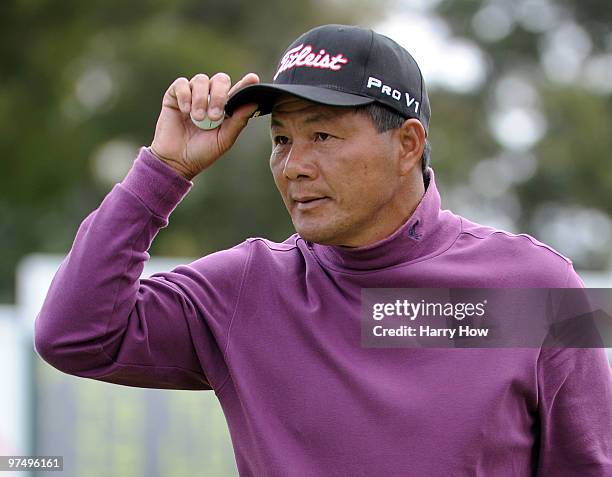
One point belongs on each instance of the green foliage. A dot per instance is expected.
(574, 155)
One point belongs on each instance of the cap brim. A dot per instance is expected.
(265, 95)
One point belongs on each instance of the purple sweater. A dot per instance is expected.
(274, 330)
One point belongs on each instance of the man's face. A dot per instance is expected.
(338, 177)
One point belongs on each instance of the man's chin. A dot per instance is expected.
(326, 235)
(317, 235)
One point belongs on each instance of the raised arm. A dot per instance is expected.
(99, 320)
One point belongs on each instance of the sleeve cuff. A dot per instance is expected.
(159, 186)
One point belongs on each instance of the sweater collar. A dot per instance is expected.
(428, 232)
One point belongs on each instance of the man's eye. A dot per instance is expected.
(321, 136)
(282, 140)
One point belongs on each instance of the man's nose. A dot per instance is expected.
(299, 163)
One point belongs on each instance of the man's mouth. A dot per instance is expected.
(309, 202)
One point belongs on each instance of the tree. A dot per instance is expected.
(542, 163)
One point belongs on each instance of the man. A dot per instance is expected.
(274, 328)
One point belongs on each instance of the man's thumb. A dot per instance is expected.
(232, 126)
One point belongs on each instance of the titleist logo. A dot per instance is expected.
(303, 55)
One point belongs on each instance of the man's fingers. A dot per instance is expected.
(179, 94)
(200, 85)
(248, 79)
(202, 96)
(219, 87)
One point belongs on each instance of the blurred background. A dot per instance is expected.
(521, 93)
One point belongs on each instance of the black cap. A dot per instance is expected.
(341, 65)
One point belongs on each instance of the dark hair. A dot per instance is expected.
(385, 119)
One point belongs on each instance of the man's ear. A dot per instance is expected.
(412, 138)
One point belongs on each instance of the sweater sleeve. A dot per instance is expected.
(99, 320)
(575, 409)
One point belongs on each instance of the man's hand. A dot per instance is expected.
(180, 143)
